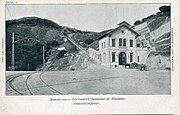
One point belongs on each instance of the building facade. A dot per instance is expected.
(118, 47)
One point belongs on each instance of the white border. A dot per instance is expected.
(133, 104)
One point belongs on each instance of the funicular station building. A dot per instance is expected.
(118, 47)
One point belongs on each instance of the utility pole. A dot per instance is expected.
(12, 62)
(43, 57)
(28, 66)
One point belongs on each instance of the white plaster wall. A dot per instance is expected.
(93, 54)
(105, 39)
(143, 54)
(128, 35)
(104, 50)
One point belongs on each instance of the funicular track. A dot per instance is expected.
(9, 83)
(47, 85)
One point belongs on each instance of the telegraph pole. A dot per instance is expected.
(28, 66)
(43, 57)
(13, 55)
(12, 62)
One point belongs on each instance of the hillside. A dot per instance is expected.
(155, 32)
(28, 53)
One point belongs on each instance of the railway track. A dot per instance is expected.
(11, 87)
(28, 86)
(9, 83)
(85, 80)
(10, 80)
(47, 85)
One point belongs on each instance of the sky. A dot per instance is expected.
(88, 17)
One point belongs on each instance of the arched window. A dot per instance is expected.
(124, 42)
(120, 42)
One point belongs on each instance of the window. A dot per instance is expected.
(131, 43)
(120, 42)
(102, 45)
(124, 42)
(138, 45)
(100, 58)
(113, 42)
(104, 57)
(131, 57)
(122, 31)
(113, 56)
(142, 44)
(138, 58)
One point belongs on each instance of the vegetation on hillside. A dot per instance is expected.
(48, 33)
(164, 11)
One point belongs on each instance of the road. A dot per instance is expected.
(93, 80)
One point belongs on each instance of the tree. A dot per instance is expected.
(137, 22)
(89, 41)
(165, 8)
(61, 53)
(54, 43)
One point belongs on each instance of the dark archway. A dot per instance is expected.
(122, 58)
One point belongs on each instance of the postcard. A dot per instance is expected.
(90, 57)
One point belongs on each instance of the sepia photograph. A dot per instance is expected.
(88, 49)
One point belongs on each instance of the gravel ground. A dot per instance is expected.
(97, 80)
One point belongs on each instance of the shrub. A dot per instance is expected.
(61, 53)
(137, 22)
(54, 43)
(88, 41)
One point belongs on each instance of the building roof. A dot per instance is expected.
(94, 45)
(125, 24)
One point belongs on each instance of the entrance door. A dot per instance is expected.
(122, 58)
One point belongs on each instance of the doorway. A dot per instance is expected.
(122, 58)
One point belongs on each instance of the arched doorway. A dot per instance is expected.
(122, 58)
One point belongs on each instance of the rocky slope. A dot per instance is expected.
(155, 32)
